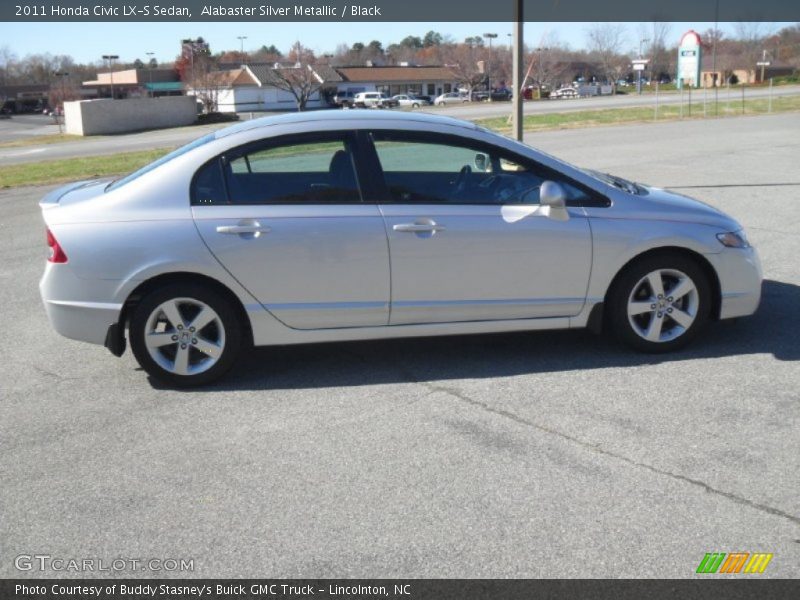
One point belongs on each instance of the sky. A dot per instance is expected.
(87, 42)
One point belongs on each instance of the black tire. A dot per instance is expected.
(232, 333)
(415, 105)
(631, 280)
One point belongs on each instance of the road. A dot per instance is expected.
(32, 125)
(630, 100)
(552, 454)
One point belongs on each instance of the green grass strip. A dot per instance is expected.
(74, 169)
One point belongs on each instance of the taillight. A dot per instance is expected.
(56, 254)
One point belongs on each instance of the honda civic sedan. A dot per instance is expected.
(330, 226)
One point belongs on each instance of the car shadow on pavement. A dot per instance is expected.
(774, 329)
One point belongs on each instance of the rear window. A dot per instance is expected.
(117, 183)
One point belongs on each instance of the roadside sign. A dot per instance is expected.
(763, 63)
(638, 67)
(689, 58)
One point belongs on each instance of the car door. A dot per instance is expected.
(286, 217)
(468, 239)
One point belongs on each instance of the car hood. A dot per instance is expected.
(667, 205)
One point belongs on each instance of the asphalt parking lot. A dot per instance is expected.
(555, 454)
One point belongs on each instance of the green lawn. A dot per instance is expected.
(74, 169)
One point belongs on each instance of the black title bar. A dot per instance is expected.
(742, 588)
(398, 10)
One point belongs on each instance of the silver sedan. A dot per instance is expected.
(330, 226)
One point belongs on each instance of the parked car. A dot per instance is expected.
(410, 100)
(344, 98)
(497, 95)
(346, 225)
(501, 95)
(5, 113)
(565, 92)
(373, 100)
(450, 98)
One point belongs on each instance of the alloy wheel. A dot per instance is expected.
(663, 305)
(184, 336)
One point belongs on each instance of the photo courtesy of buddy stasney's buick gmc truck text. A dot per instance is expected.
(205, 590)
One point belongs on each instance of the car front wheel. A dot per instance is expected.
(185, 334)
(660, 303)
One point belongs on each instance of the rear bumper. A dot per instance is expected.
(69, 308)
(740, 276)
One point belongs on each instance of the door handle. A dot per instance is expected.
(418, 227)
(243, 229)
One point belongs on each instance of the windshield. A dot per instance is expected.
(163, 160)
(618, 182)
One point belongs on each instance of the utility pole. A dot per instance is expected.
(517, 63)
(639, 72)
(714, 60)
(490, 37)
(763, 63)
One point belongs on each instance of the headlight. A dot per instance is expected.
(733, 239)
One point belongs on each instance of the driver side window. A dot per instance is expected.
(425, 170)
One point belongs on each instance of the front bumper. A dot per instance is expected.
(740, 275)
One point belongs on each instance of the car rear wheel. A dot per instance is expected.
(660, 303)
(185, 335)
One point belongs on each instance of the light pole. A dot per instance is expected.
(111, 58)
(490, 37)
(150, 70)
(639, 72)
(61, 75)
(190, 43)
(241, 39)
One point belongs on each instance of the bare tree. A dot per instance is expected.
(657, 36)
(605, 43)
(299, 79)
(751, 37)
(206, 81)
(7, 59)
(548, 62)
(65, 89)
(467, 62)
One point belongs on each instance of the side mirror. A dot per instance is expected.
(553, 200)
(481, 160)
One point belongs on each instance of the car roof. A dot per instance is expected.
(344, 117)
